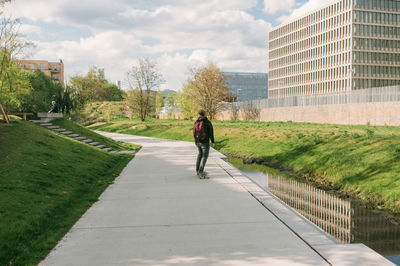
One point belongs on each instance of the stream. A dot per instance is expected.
(347, 221)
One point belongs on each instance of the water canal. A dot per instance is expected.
(346, 220)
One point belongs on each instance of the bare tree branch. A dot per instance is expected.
(142, 79)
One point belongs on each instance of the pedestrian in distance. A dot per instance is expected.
(203, 132)
(54, 107)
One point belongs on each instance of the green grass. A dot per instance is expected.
(102, 111)
(47, 181)
(84, 132)
(361, 161)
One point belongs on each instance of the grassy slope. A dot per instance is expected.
(103, 111)
(359, 160)
(82, 131)
(47, 182)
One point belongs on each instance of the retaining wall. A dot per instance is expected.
(377, 113)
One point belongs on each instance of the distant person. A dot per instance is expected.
(54, 107)
(203, 132)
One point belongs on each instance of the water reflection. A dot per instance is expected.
(345, 220)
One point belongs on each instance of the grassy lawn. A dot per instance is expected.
(362, 161)
(47, 181)
(82, 131)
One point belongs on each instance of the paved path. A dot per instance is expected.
(159, 213)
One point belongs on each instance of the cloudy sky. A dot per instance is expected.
(176, 33)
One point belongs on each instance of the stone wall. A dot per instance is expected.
(382, 113)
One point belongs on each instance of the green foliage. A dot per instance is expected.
(208, 89)
(186, 103)
(170, 100)
(102, 111)
(94, 87)
(47, 182)
(44, 90)
(359, 160)
(14, 87)
(13, 82)
(159, 101)
(141, 103)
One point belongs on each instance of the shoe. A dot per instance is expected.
(200, 175)
(205, 175)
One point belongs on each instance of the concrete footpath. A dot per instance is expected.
(159, 213)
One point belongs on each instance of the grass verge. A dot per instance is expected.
(361, 161)
(47, 182)
(84, 132)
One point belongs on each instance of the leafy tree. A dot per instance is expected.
(170, 100)
(44, 90)
(138, 101)
(186, 102)
(143, 78)
(13, 82)
(112, 92)
(94, 87)
(159, 101)
(208, 88)
(14, 85)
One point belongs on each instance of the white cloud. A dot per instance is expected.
(29, 29)
(273, 6)
(176, 33)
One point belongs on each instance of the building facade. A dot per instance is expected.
(55, 70)
(346, 45)
(247, 86)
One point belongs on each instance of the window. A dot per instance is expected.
(54, 77)
(41, 66)
(32, 66)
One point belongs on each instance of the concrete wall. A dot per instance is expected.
(383, 113)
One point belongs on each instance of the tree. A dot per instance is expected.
(142, 78)
(13, 82)
(44, 90)
(170, 100)
(94, 87)
(208, 88)
(159, 101)
(186, 102)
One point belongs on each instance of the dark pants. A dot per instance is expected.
(202, 157)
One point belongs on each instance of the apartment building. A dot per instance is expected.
(55, 70)
(247, 86)
(346, 45)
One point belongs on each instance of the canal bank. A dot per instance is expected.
(320, 241)
(348, 221)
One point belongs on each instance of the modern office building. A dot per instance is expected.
(55, 70)
(346, 45)
(247, 86)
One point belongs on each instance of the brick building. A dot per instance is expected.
(55, 70)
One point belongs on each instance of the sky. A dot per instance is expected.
(177, 34)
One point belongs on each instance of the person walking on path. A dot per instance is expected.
(54, 107)
(203, 132)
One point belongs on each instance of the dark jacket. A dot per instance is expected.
(209, 129)
(54, 108)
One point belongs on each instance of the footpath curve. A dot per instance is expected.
(158, 212)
